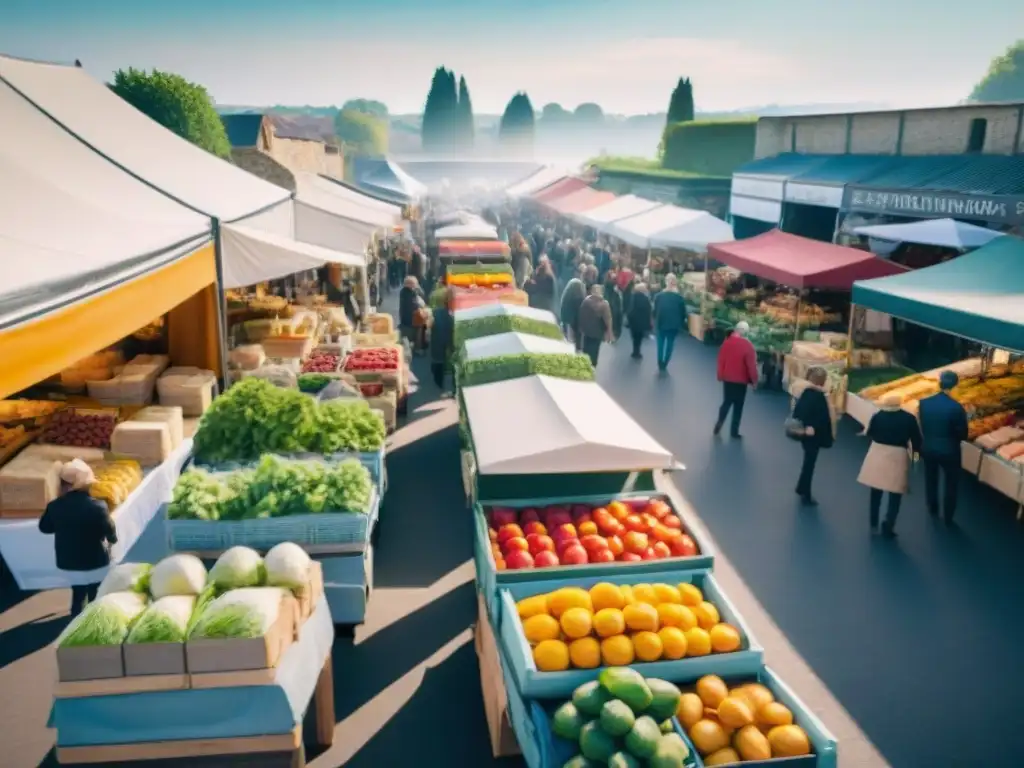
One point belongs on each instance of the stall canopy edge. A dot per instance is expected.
(253, 256)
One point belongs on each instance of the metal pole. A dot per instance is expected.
(221, 303)
(796, 318)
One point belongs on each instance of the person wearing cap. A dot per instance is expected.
(895, 436)
(943, 427)
(82, 530)
(737, 370)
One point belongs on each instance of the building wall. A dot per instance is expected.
(263, 165)
(299, 154)
(924, 132)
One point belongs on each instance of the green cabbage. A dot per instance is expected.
(165, 621)
(241, 613)
(106, 621)
(238, 567)
(125, 577)
(179, 574)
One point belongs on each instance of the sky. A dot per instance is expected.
(625, 55)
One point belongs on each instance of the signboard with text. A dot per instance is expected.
(998, 209)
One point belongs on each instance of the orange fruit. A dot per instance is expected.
(641, 617)
(605, 595)
(585, 653)
(647, 646)
(724, 756)
(532, 606)
(618, 510)
(617, 651)
(708, 736)
(588, 528)
(627, 594)
(772, 714)
(565, 598)
(755, 693)
(645, 593)
(576, 623)
(698, 642)
(673, 643)
(690, 594)
(541, 627)
(788, 741)
(712, 690)
(666, 593)
(734, 712)
(707, 615)
(690, 710)
(725, 638)
(609, 622)
(615, 545)
(551, 656)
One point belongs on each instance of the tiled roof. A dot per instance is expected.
(243, 129)
(304, 127)
(845, 169)
(914, 172)
(984, 175)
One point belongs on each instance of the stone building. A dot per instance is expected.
(272, 147)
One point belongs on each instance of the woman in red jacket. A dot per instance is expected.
(737, 369)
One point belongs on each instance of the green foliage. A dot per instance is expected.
(589, 114)
(312, 383)
(517, 122)
(464, 124)
(440, 114)
(504, 367)
(177, 104)
(367, 107)
(554, 114)
(680, 106)
(1004, 80)
(362, 133)
(712, 147)
(638, 165)
(495, 324)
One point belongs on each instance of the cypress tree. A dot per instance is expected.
(432, 111)
(467, 132)
(517, 122)
(680, 107)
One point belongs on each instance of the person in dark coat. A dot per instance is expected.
(614, 299)
(82, 530)
(813, 412)
(943, 427)
(410, 299)
(541, 286)
(640, 316)
(442, 333)
(569, 309)
(669, 319)
(595, 323)
(886, 468)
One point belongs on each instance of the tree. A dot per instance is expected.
(589, 114)
(680, 105)
(360, 133)
(367, 107)
(554, 114)
(466, 129)
(1004, 80)
(517, 122)
(177, 104)
(438, 130)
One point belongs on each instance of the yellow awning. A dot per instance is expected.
(41, 348)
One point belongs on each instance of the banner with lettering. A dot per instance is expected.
(923, 204)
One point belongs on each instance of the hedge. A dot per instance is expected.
(473, 373)
(479, 269)
(713, 147)
(491, 326)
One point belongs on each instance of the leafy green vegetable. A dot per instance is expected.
(106, 621)
(240, 613)
(178, 574)
(276, 487)
(504, 367)
(238, 567)
(311, 383)
(126, 577)
(495, 324)
(165, 621)
(479, 269)
(348, 425)
(287, 565)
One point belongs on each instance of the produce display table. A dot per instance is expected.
(242, 724)
(29, 554)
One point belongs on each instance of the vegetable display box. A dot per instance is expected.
(743, 657)
(579, 541)
(348, 583)
(325, 533)
(373, 461)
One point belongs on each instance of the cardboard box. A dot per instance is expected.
(492, 683)
(94, 662)
(309, 596)
(239, 655)
(154, 659)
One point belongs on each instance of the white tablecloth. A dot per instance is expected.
(29, 554)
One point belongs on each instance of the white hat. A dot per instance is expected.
(77, 474)
(742, 327)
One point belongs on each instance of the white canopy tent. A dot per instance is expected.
(261, 256)
(73, 224)
(515, 344)
(318, 192)
(367, 201)
(391, 177)
(544, 177)
(946, 233)
(507, 310)
(619, 208)
(562, 434)
(670, 226)
(475, 230)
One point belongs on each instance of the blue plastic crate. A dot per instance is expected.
(340, 531)
(348, 582)
(533, 683)
(490, 580)
(373, 461)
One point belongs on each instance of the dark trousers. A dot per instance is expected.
(949, 467)
(80, 595)
(666, 341)
(577, 337)
(438, 371)
(638, 339)
(891, 512)
(591, 348)
(733, 397)
(803, 485)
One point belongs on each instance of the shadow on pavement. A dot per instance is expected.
(26, 639)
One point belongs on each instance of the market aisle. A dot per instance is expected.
(918, 639)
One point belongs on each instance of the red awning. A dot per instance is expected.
(559, 189)
(801, 263)
(580, 200)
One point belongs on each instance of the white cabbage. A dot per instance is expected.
(287, 565)
(177, 575)
(238, 567)
(125, 577)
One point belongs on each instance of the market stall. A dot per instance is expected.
(540, 180)
(670, 226)
(942, 233)
(473, 230)
(514, 344)
(978, 296)
(584, 199)
(623, 207)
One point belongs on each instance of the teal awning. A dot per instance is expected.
(844, 169)
(978, 296)
(780, 166)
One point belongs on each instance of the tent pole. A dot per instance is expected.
(796, 318)
(704, 293)
(221, 302)
(849, 338)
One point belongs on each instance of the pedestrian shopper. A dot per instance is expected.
(410, 300)
(886, 468)
(595, 323)
(737, 370)
(641, 318)
(542, 286)
(813, 424)
(442, 333)
(82, 530)
(669, 319)
(569, 309)
(943, 427)
(614, 299)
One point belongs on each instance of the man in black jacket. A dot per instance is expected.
(943, 428)
(82, 529)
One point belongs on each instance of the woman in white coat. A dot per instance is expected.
(895, 442)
